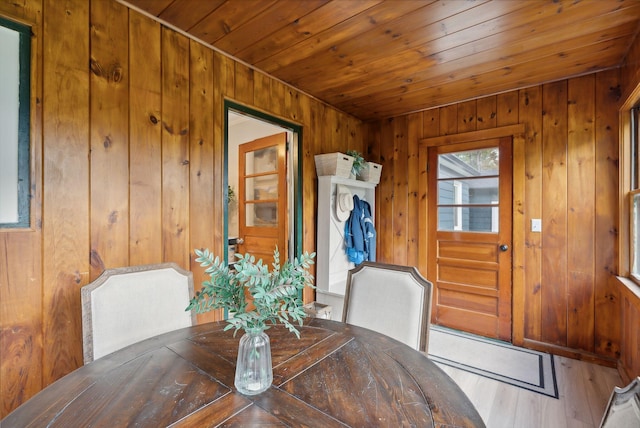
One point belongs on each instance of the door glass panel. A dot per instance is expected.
(470, 163)
(468, 219)
(261, 161)
(262, 214)
(468, 191)
(472, 191)
(262, 187)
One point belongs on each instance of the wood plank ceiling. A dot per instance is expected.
(376, 59)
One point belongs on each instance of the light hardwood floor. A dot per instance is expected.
(583, 388)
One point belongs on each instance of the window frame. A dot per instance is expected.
(631, 139)
(629, 182)
(24, 125)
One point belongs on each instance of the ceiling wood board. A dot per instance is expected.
(380, 58)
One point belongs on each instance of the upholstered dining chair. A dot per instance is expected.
(623, 409)
(126, 305)
(391, 299)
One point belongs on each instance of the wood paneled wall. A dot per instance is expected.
(570, 304)
(127, 165)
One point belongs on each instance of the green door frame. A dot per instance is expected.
(230, 105)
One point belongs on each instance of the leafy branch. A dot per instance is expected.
(276, 294)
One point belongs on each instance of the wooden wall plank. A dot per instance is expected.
(309, 185)
(145, 141)
(292, 104)
(430, 128)
(373, 137)
(201, 154)
(400, 198)
(261, 90)
(431, 123)
(175, 147)
(414, 133)
(66, 174)
(333, 141)
(519, 228)
(448, 120)
(324, 134)
(581, 212)
(109, 111)
(224, 87)
(351, 133)
(518, 240)
(607, 328)
(530, 111)
(277, 103)
(244, 83)
(486, 113)
(507, 108)
(554, 213)
(385, 195)
(467, 119)
(21, 321)
(21, 314)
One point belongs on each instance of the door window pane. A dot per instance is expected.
(469, 163)
(262, 214)
(261, 161)
(472, 191)
(468, 219)
(262, 187)
(468, 191)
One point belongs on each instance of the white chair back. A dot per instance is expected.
(126, 305)
(623, 409)
(390, 299)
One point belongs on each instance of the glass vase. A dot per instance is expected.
(254, 373)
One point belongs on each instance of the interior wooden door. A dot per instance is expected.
(470, 236)
(262, 197)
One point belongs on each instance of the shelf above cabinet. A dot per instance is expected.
(347, 181)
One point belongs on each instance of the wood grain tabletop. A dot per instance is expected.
(335, 375)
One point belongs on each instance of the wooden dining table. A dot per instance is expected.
(335, 375)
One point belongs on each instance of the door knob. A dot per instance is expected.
(504, 247)
(240, 241)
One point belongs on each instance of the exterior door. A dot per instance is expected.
(262, 198)
(470, 236)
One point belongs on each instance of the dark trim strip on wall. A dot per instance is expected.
(24, 125)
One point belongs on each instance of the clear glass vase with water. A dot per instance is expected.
(254, 373)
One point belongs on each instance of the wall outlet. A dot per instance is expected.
(536, 225)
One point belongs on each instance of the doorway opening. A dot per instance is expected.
(257, 213)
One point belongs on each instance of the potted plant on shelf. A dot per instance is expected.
(358, 162)
(276, 295)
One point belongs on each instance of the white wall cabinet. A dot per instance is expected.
(332, 264)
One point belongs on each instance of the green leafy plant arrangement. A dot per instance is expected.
(358, 162)
(231, 195)
(276, 294)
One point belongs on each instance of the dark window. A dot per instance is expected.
(15, 50)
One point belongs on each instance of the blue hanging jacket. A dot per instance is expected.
(360, 233)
